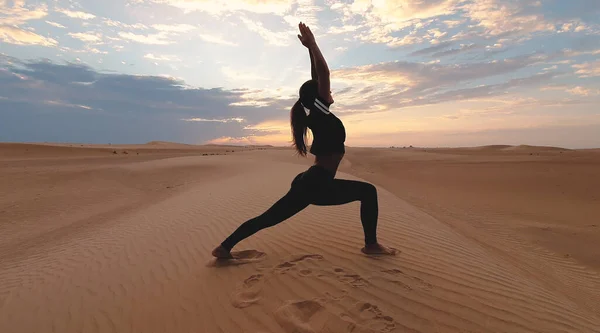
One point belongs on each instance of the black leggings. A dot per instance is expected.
(315, 186)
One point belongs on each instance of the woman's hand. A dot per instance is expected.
(306, 36)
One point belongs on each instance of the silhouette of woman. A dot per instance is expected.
(317, 185)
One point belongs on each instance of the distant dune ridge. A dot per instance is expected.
(167, 143)
(493, 239)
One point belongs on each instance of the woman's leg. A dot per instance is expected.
(342, 191)
(290, 204)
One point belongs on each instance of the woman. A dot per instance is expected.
(316, 185)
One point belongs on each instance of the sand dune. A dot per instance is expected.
(535, 148)
(123, 245)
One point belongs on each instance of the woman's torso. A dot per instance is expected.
(329, 162)
(329, 135)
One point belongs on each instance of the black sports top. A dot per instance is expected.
(328, 130)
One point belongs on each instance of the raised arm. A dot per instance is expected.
(319, 68)
(313, 70)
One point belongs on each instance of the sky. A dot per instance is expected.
(435, 73)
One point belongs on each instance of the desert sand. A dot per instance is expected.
(117, 238)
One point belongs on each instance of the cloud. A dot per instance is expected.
(514, 22)
(57, 25)
(453, 23)
(88, 37)
(588, 69)
(401, 11)
(493, 24)
(274, 38)
(18, 13)
(436, 33)
(113, 23)
(452, 46)
(243, 75)
(262, 133)
(463, 48)
(47, 101)
(68, 105)
(473, 93)
(18, 36)
(582, 91)
(512, 106)
(238, 120)
(427, 75)
(507, 17)
(399, 84)
(432, 49)
(380, 19)
(164, 34)
(218, 7)
(343, 29)
(162, 57)
(174, 27)
(497, 107)
(14, 14)
(306, 11)
(215, 39)
(88, 48)
(573, 27)
(532, 133)
(76, 14)
(152, 39)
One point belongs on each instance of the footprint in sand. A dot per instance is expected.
(354, 280)
(248, 293)
(339, 274)
(291, 264)
(310, 316)
(336, 298)
(370, 316)
(297, 316)
(407, 281)
(284, 267)
(305, 272)
(307, 256)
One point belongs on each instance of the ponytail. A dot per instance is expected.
(299, 125)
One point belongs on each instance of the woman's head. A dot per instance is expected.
(298, 118)
(308, 92)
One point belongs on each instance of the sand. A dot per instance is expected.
(492, 239)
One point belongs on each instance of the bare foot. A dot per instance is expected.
(222, 253)
(379, 249)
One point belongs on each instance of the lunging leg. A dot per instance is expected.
(342, 191)
(284, 208)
